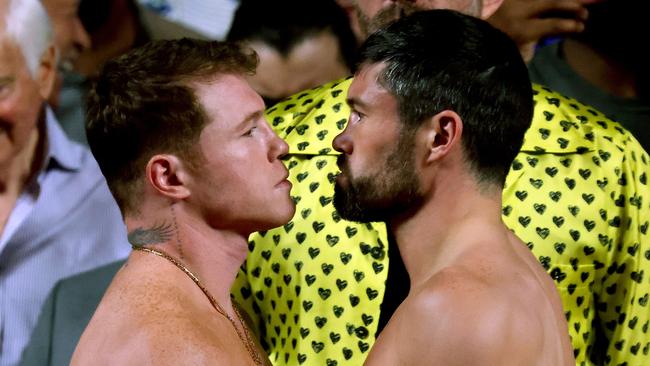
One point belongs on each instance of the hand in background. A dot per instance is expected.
(529, 21)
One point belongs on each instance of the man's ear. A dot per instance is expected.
(489, 7)
(167, 175)
(441, 133)
(47, 72)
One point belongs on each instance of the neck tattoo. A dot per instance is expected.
(245, 338)
(159, 233)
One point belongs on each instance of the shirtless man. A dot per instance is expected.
(194, 166)
(440, 105)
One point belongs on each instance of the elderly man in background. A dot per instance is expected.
(57, 216)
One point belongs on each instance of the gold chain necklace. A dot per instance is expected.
(246, 337)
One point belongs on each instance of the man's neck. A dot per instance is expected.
(17, 171)
(436, 235)
(214, 256)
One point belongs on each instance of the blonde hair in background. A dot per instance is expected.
(27, 24)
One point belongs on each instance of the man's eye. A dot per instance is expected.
(4, 89)
(250, 131)
(356, 116)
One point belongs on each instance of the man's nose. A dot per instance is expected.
(81, 37)
(342, 143)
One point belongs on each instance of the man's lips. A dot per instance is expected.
(341, 163)
(284, 180)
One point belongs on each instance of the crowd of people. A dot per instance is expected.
(349, 182)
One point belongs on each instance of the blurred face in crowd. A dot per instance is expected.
(312, 62)
(374, 14)
(21, 97)
(70, 37)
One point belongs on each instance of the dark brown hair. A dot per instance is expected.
(143, 104)
(442, 59)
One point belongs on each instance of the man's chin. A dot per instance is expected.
(341, 182)
(286, 213)
(347, 206)
(67, 63)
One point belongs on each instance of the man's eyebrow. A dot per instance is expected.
(355, 102)
(250, 117)
(7, 79)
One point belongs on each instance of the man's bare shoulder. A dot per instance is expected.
(156, 343)
(150, 317)
(461, 318)
(179, 339)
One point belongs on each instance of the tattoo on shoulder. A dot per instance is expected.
(153, 235)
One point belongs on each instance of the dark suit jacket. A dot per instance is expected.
(65, 314)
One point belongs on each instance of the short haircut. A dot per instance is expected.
(284, 24)
(27, 24)
(443, 60)
(142, 104)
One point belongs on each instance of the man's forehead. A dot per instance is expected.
(228, 97)
(8, 47)
(366, 87)
(370, 73)
(12, 62)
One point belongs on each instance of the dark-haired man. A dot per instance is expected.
(577, 193)
(440, 105)
(182, 141)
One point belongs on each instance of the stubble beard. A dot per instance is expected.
(391, 192)
(400, 9)
(384, 17)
